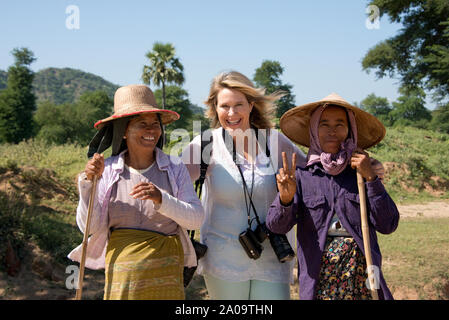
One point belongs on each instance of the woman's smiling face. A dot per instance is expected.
(233, 109)
(143, 133)
(332, 129)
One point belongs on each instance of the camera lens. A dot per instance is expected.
(281, 247)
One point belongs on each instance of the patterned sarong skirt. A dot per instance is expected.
(143, 265)
(343, 271)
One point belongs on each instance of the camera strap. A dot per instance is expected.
(245, 188)
(226, 135)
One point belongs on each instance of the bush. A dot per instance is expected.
(419, 171)
(12, 212)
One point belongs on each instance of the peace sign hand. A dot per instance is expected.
(286, 180)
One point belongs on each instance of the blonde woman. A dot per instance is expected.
(240, 184)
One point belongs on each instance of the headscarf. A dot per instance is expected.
(333, 163)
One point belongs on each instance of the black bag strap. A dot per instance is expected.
(203, 166)
(203, 169)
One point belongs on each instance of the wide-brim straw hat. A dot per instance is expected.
(295, 122)
(136, 99)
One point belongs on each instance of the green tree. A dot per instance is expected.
(268, 76)
(419, 53)
(3, 77)
(55, 122)
(377, 106)
(17, 101)
(177, 99)
(198, 115)
(72, 122)
(90, 107)
(438, 61)
(164, 68)
(409, 109)
(440, 118)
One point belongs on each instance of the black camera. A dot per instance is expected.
(250, 244)
(200, 251)
(279, 243)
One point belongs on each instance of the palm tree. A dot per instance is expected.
(164, 68)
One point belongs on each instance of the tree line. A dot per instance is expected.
(418, 55)
(22, 118)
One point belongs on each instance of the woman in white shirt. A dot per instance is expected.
(239, 112)
(143, 204)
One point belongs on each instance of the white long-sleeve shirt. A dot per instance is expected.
(226, 211)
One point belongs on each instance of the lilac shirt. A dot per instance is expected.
(318, 196)
(127, 212)
(183, 207)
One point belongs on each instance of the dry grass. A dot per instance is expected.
(416, 258)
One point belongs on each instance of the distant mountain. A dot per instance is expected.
(64, 85)
(67, 85)
(197, 109)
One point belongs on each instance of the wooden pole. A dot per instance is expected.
(79, 291)
(366, 237)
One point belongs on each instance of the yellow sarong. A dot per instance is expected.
(143, 265)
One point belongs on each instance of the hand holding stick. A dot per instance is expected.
(94, 168)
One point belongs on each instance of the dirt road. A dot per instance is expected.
(437, 209)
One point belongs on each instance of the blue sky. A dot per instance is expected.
(319, 43)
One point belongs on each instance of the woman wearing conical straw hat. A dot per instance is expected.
(323, 201)
(143, 204)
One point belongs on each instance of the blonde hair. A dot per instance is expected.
(262, 114)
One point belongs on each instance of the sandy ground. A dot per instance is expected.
(437, 209)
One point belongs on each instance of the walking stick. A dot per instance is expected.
(365, 235)
(79, 291)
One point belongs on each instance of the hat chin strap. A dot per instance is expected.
(101, 141)
(110, 134)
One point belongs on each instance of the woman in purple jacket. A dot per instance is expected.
(321, 199)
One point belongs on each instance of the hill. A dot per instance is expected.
(197, 110)
(64, 85)
(67, 85)
(416, 163)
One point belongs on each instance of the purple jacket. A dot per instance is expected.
(318, 195)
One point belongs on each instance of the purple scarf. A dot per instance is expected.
(333, 163)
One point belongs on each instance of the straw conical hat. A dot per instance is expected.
(295, 122)
(136, 99)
